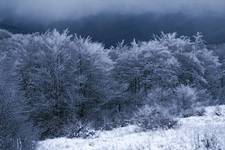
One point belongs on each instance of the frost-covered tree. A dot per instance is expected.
(165, 62)
(15, 132)
(116, 51)
(198, 65)
(219, 50)
(57, 80)
(62, 77)
(143, 67)
(4, 34)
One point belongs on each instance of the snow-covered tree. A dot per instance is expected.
(198, 65)
(15, 132)
(56, 79)
(145, 66)
(4, 34)
(62, 77)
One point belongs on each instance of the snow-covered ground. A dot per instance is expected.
(193, 133)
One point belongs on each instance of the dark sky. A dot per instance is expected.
(110, 21)
(56, 10)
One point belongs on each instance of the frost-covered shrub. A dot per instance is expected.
(115, 121)
(78, 129)
(189, 100)
(218, 111)
(153, 118)
(196, 111)
(185, 98)
(207, 142)
(180, 101)
(163, 97)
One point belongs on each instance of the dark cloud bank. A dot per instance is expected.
(113, 20)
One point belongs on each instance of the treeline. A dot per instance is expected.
(57, 84)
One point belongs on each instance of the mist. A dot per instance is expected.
(54, 10)
(110, 21)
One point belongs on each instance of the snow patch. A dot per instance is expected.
(195, 132)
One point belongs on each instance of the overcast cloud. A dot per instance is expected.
(54, 10)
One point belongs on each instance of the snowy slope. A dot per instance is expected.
(193, 133)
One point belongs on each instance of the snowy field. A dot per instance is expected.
(194, 133)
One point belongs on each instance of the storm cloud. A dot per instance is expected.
(56, 10)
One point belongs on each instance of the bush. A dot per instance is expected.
(185, 96)
(153, 118)
(218, 111)
(189, 101)
(161, 96)
(77, 129)
(196, 111)
(207, 142)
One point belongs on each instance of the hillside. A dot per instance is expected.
(196, 132)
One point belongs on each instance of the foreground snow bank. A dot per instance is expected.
(193, 133)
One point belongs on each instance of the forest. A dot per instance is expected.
(57, 84)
